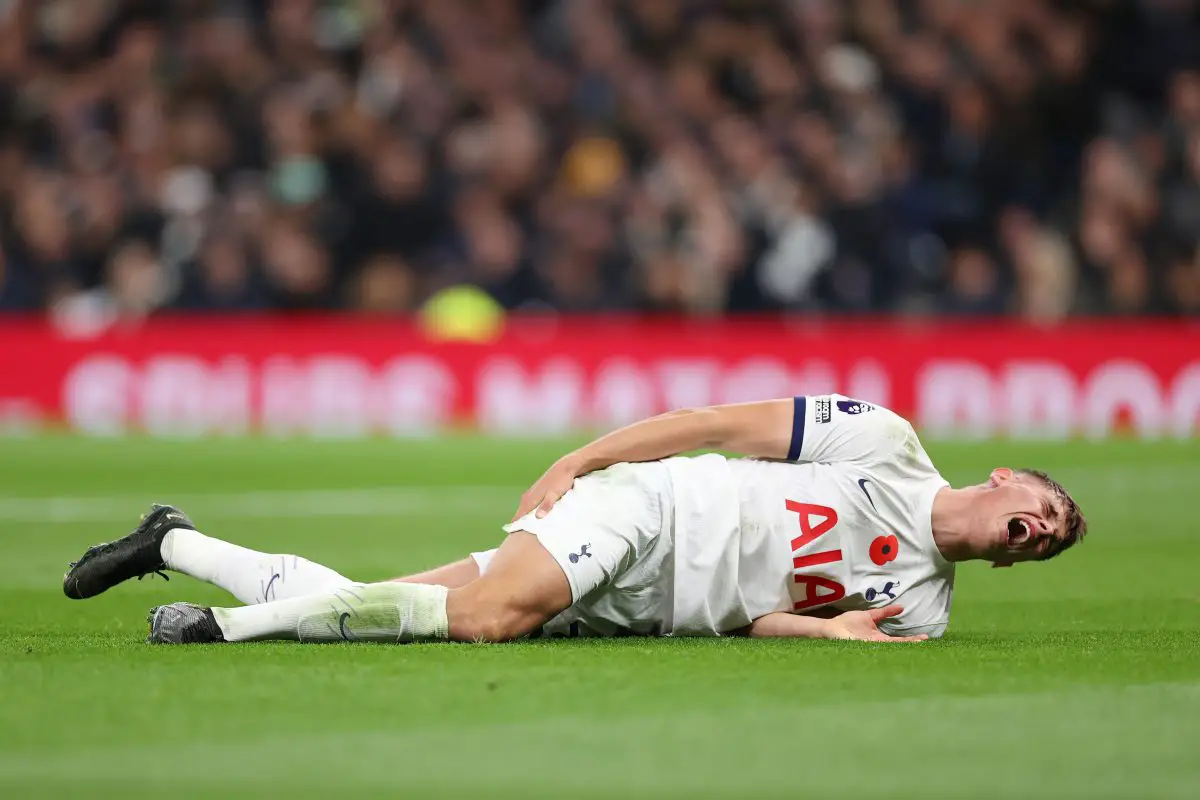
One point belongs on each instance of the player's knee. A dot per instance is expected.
(476, 620)
(488, 625)
(496, 628)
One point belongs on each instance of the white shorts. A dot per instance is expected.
(612, 534)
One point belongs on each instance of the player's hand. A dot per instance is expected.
(548, 489)
(863, 626)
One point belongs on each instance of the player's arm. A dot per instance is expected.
(860, 626)
(764, 429)
(826, 428)
(761, 429)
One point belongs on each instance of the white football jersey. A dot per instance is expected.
(844, 522)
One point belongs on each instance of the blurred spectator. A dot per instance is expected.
(298, 270)
(1043, 265)
(222, 277)
(1033, 157)
(974, 284)
(385, 285)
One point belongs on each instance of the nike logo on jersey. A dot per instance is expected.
(862, 484)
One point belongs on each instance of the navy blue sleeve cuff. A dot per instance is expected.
(799, 404)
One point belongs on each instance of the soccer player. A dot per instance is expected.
(835, 525)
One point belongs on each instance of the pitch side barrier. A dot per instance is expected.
(343, 376)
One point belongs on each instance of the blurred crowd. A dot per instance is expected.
(1023, 157)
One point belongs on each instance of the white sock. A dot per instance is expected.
(250, 576)
(373, 612)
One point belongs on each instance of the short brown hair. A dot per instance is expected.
(1075, 525)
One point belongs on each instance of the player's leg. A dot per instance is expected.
(592, 537)
(167, 539)
(524, 586)
(453, 575)
(251, 576)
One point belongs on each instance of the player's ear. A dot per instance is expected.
(1000, 475)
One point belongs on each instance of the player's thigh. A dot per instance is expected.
(606, 524)
(522, 589)
(452, 576)
(593, 536)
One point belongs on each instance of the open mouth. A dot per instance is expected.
(1018, 532)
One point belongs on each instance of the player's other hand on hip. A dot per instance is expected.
(863, 626)
(549, 488)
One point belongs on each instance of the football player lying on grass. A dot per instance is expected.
(836, 525)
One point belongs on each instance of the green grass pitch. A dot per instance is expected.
(1076, 678)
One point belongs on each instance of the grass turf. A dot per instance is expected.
(1076, 678)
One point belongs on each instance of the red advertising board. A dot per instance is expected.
(337, 376)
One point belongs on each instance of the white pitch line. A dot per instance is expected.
(1113, 481)
(1126, 481)
(292, 503)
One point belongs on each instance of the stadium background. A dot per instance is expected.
(340, 277)
(422, 169)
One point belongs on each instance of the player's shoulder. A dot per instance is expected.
(845, 406)
(889, 433)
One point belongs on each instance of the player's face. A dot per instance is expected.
(1020, 518)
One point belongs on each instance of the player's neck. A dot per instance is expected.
(951, 519)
